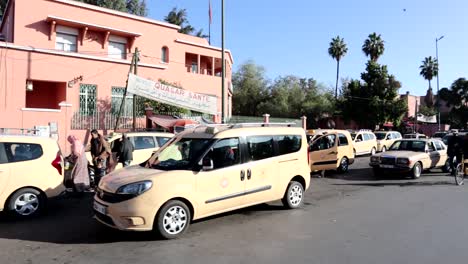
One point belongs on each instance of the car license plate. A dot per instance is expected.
(386, 166)
(100, 208)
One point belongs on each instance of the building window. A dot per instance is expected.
(165, 54)
(45, 95)
(66, 39)
(117, 47)
(87, 99)
(116, 101)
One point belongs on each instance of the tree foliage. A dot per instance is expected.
(288, 96)
(179, 17)
(457, 97)
(429, 69)
(135, 7)
(373, 46)
(337, 50)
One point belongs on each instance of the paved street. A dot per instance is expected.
(350, 218)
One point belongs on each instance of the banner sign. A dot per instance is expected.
(171, 95)
(427, 119)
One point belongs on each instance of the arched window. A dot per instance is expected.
(165, 54)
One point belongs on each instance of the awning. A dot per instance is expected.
(388, 124)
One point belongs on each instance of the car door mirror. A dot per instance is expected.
(207, 164)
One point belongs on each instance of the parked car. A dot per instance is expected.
(385, 139)
(145, 143)
(30, 173)
(364, 142)
(206, 171)
(440, 134)
(331, 150)
(414, 135)
(412, 156)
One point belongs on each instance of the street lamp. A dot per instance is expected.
(438, 96)
(223, 63)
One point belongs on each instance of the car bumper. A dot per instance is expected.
(396, 168)
(130, 215)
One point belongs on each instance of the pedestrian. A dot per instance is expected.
(125, 155)
(101, 154)
(79, 174)
(454, 150)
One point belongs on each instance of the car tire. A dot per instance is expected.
(344, 165)
(26, 203)
(172, 220)
(373, 151)
(384, 149)
(446, 168)
(416, 171)
(294, 195)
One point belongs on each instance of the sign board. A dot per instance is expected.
(172, 95)
(427, 119)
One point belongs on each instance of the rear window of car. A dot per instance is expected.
(17, 152)
(162, 140)
(288, 144)
(343, 140)
(260, 147)
(144, 142)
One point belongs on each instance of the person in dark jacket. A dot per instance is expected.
(126, 151)
(454, 150)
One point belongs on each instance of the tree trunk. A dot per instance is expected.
(337, 76)
(429, 83)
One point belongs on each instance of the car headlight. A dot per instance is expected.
(136, 188)
(403, 161)
(375, 159)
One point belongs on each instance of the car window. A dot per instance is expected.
(260, 147)
(380, 136)
(17, 152)
(430, 146)
(3, 154)
(367, 137)
(143, 142)
(225, 153)
(343, 140)
(288, 144)
(162, 140)
(358, 138)
(397, 136)
(438, 145)
(324, 142)
(179, 154)
(409, 145)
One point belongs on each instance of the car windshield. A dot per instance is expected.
(179, 154)
(380, 136)
(439, 135)
(409, 145)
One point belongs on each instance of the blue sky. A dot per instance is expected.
(292, 37)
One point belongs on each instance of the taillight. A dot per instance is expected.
(57, 163)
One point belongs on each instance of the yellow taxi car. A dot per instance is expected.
(206, 171)
(364, 142)
(30, 173)
(411, 156)
(330, 149)
(145, 143)
(385, 139)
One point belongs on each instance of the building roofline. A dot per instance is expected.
(205, 46)
(117, 13)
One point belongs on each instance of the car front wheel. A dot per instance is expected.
(416, 171)
(173, 219)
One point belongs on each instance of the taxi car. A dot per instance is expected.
(414, 135)
(145, 144)
(412, 156)
(385, 139)
(330, 149)
(30, 173)
(364, 142)
(206, 171)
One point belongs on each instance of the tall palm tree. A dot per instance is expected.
(373, 46)
(179, 18)
(337, 50)
(429, 69)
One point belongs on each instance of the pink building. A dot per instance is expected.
(62, 61)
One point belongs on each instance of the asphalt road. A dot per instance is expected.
(350, 218)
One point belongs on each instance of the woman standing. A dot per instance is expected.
(79, 174)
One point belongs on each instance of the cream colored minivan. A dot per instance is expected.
(30, 173)
(364, 142)
(385, 139)
(206, 171)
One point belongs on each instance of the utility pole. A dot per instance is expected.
(437, 59)
(122, 105)
(135, 96)
(223, 63)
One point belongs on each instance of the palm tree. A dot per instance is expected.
(429, 69)
(337, 50)
(201, 34)
(179, 18)
(373, 46)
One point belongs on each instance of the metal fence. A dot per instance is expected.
(104, 121)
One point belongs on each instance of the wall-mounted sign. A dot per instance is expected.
(172, 95)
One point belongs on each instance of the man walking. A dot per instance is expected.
(101, 153)
(126, 151)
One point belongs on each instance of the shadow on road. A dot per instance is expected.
(400, 184)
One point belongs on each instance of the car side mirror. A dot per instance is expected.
(207, 164)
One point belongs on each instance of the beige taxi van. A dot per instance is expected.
(385, 139)
(330, 149)
(364, 142)
(205, 171)
(30, 173)
(145, 143)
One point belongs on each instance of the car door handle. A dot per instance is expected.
(242, 175)
(249, 174)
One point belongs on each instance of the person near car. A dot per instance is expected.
(79, 175)
(125, 155)
(101, 154)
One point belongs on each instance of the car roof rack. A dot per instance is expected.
(240, 125)
(18, 131)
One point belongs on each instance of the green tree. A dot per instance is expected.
(373, 46)
(200, 34)
(179, 17)
(429, 69)
(457, 98)
(337, 50)
(135, 7)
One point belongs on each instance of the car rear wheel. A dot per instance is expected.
(26, 203)
(294, 196)
(384, 149)
(173, 219)
(373, 151)
(416, 171)
(344, 165)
